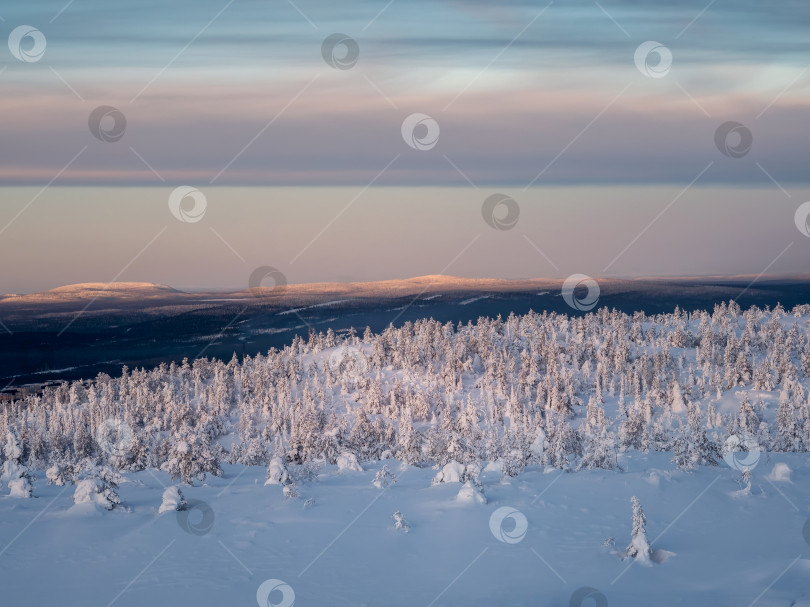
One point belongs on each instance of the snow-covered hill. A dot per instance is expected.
(94, 290)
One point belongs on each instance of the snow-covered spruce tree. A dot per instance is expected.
(633, 429)
(694, 447)
(639, 548)
(408, 444)
(14, 473)
(564, 444)
(12, 466)
(191, 457)
(599, 452)
(788, 430)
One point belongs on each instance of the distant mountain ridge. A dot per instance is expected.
(396, 287)
(91, 290)
(320, 292)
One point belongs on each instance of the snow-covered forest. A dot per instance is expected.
(569, 392)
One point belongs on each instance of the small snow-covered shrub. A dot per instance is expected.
(290, 490)
(59, 475)
(384, 478)
(277, 472)
(348, 461)
(400, 524)
(98, 489)
(20, 487)
(304, 473)
(513, 464)
(452, 472)
(173, 500)
(470, 494)
(780, 473)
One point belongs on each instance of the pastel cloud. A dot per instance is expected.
(510, 90)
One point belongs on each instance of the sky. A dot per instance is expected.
(372, 158)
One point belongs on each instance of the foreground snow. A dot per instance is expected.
(336, 544)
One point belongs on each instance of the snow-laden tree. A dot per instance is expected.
(99, 488)
(173, 500)
(400, 524)
(384, 478)
(599, 451)
(191, 457)
(12, 466)
(639, 548)
(694, 447)
(277, 473)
